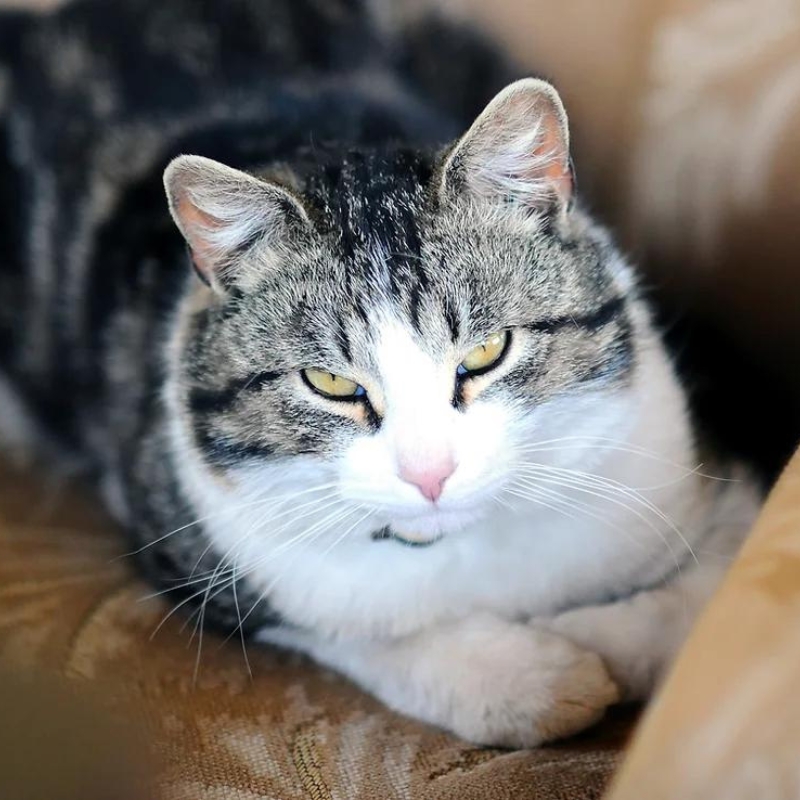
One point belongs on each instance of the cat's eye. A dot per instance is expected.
(334, 386)
(486, 355)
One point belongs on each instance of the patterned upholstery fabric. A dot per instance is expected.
(70, 605)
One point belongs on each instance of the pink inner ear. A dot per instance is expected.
(518, 150)
(196, 226)
(553, 157)
(549, 160)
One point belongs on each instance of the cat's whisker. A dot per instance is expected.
(193, 574)
(322, 524)
(240, 628)
(609, 491)
(616, 486)
(573, 504)
(565, 443)
(503, 503)
(538, 500)
(189, 599)
(217, 579)
(228, 510)
(306, 534)
(265, 593)
(203, 577)
(172, 611)
(685, 472)
(344, 535)
(590, 442)
(320, 556)
(307, 509)
(312, 507)
(215, 576)
(567, 505)
(177, 587)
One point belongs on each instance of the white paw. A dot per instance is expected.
(521, 687)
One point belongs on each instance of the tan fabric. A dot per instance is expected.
(58, 741)
(69, 605)
(727, 724)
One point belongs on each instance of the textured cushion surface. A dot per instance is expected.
(71, 605)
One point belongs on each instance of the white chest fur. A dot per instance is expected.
(520, 559)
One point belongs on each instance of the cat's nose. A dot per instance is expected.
(429, 477)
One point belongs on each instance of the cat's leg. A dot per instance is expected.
(489, 681)
(638, 637)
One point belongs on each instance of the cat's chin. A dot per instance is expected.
(410, 538)
(428, 529)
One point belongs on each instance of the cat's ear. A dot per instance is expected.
(229, 218)
(516, 152)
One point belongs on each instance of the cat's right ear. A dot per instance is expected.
(233, 223)
(516, 154)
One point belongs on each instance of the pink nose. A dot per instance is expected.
(428, 478)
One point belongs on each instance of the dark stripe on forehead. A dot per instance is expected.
(343, 340)
(451, 316)
(361, 309)
(419, 286)
(372, 201)
(204, 401)
(415, 297)
(590, 321)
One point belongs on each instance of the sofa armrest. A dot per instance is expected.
(726, 723)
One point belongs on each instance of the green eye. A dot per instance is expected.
(334, 386)
(485, 355)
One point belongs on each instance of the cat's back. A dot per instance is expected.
(95, 67)
(142, 57)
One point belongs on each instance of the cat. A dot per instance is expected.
(368, 382)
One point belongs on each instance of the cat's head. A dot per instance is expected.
(381, 341)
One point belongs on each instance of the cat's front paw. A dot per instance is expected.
(527, 687)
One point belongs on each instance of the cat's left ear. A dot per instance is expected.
(516, 152)
(232, 221)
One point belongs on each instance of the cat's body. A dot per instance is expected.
(552, 488)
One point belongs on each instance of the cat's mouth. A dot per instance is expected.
(408, 538)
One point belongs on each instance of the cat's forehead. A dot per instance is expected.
(388, 250)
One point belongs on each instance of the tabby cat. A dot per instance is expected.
(382, 393)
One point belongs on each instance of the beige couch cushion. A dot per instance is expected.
(726, 725)
(70, 606)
